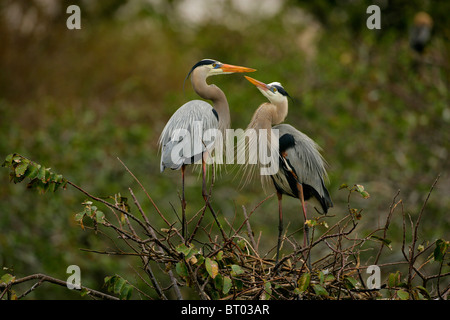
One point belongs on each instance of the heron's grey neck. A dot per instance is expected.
(264, 118)
(269, 114)
(213, 93)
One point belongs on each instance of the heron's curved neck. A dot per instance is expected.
(213, 93)
(269, 114)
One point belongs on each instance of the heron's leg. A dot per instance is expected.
(280, 225)
(204, 191)
(305, 226)
(183, 204)
(206, 197)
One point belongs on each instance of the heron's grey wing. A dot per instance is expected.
(183, 139)
(307, 163)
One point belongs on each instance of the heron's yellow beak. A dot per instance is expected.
(234, 69)
(257, 83)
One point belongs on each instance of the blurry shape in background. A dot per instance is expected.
(421, 32)
(194, 13)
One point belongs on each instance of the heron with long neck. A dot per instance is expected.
(180, 141)
(301, 171)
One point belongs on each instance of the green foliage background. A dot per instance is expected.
(75, 100)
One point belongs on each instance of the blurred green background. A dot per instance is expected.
(75, 100)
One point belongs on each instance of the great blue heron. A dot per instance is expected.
(302, 170)
(421, 31)
(175, 152)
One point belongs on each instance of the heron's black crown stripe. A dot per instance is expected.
(281, 90)
(200, 63)
(203, 62)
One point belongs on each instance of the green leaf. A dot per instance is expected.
(212, 267)
(118, 284)
(394, 279)
(218, 282)
(57, 178)
(350, 282)
(267, 290)
(311, 223)
(402, 294)
(200, 259)
(236, 270)
(99, 216)
(361, 191)
(238, 284)
(423, 291)
(182, 248)
(41, 174)
(226, 284)
(17, 158)
(319, 290)
(22, 167)
(7, 278)
(329, 278)
(79, 216)
(268, 287)
(303, 282)
(47, 174)
(8, 160)
(57, 186)
(219, 255)
(125, 293)
(50, 187)
(181, 269)
(110, 281)
(321, 277)
(107, 280)
(440, 250)
(33, 170)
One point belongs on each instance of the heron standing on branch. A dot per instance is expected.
(174, 154)
(301, 170)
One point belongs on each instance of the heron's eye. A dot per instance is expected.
(215, 65)
(273, 89)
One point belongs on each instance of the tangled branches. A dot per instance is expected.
(228, 264)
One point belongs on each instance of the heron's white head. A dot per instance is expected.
(273, 91)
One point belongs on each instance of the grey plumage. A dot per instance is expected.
(187, 152)
(200, 113)
(307, 163)
(301, 171)
(192, 121)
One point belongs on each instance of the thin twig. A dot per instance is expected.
(146, 193)
(386, 226)
(412, 258)
(249, 229)
(44, 278)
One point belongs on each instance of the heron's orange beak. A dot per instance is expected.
(257, 83)
(234, 69)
